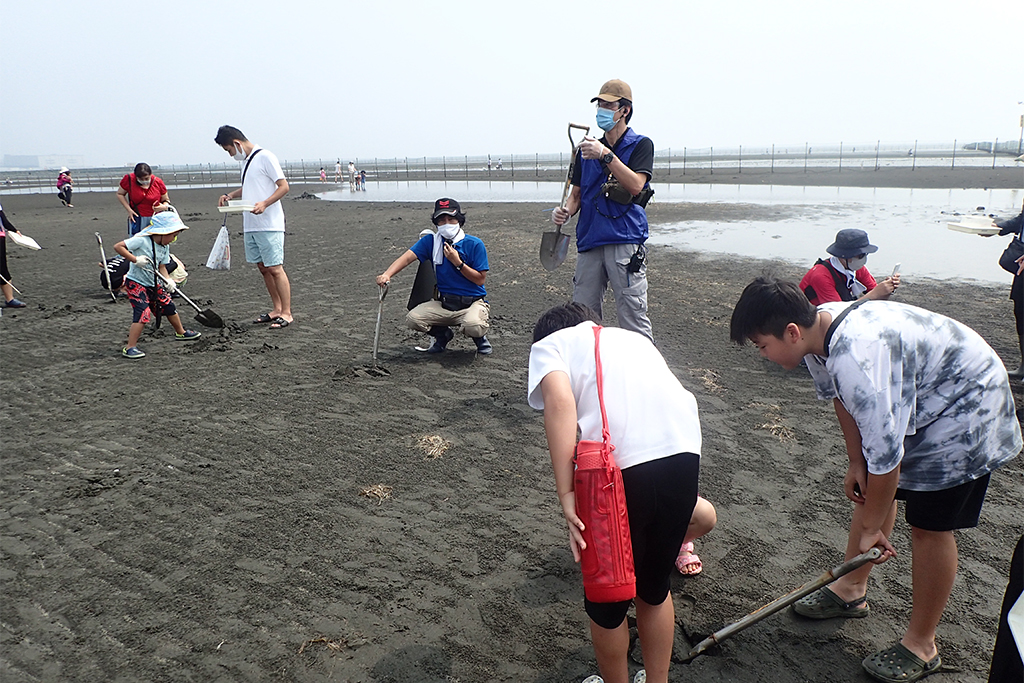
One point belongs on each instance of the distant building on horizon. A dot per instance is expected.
(33, 162)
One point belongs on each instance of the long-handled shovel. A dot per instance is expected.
(771, 608)
(205, 316)
(376, 332)
(106, 268)
(554, 246)
(8, 282)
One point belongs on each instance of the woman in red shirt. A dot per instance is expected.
(142, 194)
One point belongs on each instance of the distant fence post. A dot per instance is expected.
(805, 156)
(376, 171)
(444, 166)
(877, 145)
(739, 161)
(953, 164)
(994, 153)
(670, 161)
(684, 161)
(406, 169)
(466, 163)
(536, 164)
(773, 157)
(914, 166)
(840, 156)
(711, 161)
(512, 162)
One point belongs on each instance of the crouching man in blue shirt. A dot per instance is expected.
(460, 266)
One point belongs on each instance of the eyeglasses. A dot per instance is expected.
(611, 106)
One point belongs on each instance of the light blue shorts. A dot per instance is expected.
(265, 247)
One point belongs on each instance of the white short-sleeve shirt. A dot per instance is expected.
(926, 391)
(259, 182)
(650, 414)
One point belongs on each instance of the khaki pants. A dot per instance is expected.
(474, 320)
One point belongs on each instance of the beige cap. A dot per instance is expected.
(613, 91)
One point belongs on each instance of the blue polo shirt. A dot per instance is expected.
(449, 280)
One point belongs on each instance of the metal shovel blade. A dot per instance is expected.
(554, 247)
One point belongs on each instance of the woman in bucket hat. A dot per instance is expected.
(146, 251)
(844, 276)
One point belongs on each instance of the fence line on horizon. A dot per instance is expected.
(674, 161)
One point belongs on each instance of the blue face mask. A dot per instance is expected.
(605, 119)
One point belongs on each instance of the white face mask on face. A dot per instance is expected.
(449, 230)
(239, 154)
(856, 264)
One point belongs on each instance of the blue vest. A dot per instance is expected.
(601, 220)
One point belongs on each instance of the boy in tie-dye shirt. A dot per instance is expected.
(925, 408)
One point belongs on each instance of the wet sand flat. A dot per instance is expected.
(261, 506)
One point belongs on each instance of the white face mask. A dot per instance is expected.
(856, 264)
(449, 230)
(239, 155)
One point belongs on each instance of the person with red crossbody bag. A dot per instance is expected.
(628, 488)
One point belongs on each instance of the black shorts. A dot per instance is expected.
(660, 497)
(946, 509)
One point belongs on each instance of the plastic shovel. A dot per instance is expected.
(380, 310)
(554, 246)
(772, 607)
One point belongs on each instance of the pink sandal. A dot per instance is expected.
(688, 564)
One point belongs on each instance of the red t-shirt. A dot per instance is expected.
(820, 280)
(141, 198)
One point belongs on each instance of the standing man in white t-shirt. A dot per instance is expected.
(263, 184)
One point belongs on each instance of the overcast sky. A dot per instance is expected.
(119, 82)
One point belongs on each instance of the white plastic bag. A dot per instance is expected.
(220, 255)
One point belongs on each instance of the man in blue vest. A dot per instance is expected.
(610, 188)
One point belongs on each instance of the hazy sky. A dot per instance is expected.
(119, 82)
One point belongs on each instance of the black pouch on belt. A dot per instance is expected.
(454, 302)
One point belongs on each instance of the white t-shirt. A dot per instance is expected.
(650, 414)
(926, 391)
(259, 183)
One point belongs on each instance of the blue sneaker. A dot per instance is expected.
(14, 303)
(188, 336)
(134, 353)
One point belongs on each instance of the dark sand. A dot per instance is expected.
(197, 515)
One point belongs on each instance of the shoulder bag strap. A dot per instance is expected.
(838, 319)
(606, 436)
(251, 157)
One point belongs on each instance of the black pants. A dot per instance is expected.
(1006, 662)
(65, 193)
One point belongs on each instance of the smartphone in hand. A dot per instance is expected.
(896, 269)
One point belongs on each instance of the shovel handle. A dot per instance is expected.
(771, 608)
(103, 255)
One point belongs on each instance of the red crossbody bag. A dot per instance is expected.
(607, 561)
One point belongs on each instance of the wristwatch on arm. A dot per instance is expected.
(607, 158)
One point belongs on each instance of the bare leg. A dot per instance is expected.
(279, 289)
(854, 585)
(656, 626)
(934, 569)
(134, 333)
(175, 321)
(611, 647)
(703, 520)
(7, 290)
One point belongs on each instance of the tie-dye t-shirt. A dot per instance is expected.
(927, 393)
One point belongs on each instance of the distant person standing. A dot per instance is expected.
(610, 188)
(323, 175)
(142, 194)
(362, 180)
(5, 286)
(337, 171)
(264, 185)
(64, 187)
(351, 176)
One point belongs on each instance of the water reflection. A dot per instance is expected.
(908, 225)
